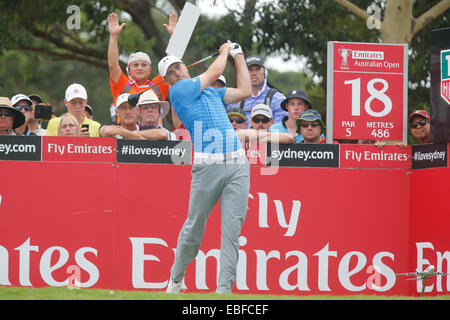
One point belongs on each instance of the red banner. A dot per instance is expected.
(308, 230)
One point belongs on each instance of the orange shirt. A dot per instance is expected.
(118, 87)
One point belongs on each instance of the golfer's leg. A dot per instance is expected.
(205, 190)
(233, 207)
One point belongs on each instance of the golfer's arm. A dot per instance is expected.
(244, 87)
(113, 58)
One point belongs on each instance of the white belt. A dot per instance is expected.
(219, 156)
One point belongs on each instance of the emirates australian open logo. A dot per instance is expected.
(445, 75)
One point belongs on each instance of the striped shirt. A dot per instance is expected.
(278, 97)
(204, 116)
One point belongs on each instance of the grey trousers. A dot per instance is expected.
(231, 183)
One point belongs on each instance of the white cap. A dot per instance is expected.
(139, 56)
(150, 97)
(262, 109)
(19, 97)
(121, 99)
(76, 90)
(166, 62)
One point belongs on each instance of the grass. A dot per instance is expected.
(63, 293)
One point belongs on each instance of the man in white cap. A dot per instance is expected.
(75, 101)
(220, 170)
(152, 112)
(10, 118)
(221, 82)
(139, 64)
(261, 119)
(129, 128)
(24, 104)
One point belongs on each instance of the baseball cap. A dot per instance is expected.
(222, 78)
(263, 110)
(89, 109)
(121, 99)
(150, 97)
(236, 111)
(166, 62)
(19, 118)
(139, 56)
(19, 97)
(421, 113)
(251, 60)
(75, 90)
(310, 115)
(296, 93)
(36, 97)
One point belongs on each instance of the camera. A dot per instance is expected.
(43, 112)
(85, 126)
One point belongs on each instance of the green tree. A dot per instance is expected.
(312, 23)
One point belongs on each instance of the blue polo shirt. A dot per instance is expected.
(204, 116)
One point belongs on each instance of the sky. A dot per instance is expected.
(216, 8)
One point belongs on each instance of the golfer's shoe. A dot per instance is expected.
(173, 287)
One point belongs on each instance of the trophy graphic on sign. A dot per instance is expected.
(344, 55)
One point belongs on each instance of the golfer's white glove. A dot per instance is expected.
(235, 49)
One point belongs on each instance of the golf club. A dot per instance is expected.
(134, 97)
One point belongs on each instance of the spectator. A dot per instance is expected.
(89, 112)
(152, 112)
(221, 82)
(311, 127)
(419, 126)
(22, 103)
(261, 92)
(10, 117)
(261, 120)
(69, 126)
(139, 65)
(27, 106)
(295, 103)
(237, 118)
(128, 128)
(75, 100)
(34, 124)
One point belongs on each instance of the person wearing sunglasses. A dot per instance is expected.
(24, 104)
(311, 126)
(237, 118)
(10, 117)
(261, 119)
(419, 126)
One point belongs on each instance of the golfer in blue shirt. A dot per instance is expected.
(220, 170)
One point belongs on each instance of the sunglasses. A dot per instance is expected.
(5, 113)
(238, 120)
(27, 108)
(416, 124)
(307, 124)
(263, 120)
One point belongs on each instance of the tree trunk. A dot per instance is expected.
(398, 22)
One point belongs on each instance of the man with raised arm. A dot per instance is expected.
(220, 170)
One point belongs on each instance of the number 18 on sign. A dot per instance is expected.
(367, 91)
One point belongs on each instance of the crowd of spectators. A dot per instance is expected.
(140, 105)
